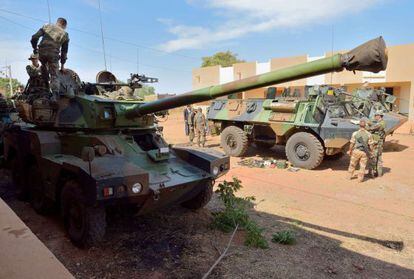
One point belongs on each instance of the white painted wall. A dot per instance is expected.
(226, 74)
(262, 68)
(316, 80)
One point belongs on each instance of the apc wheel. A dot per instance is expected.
(40, 203)
(19, 183)
(234, 141)
(264, 145)
(201, 199)
(304, 150)
(86, 225)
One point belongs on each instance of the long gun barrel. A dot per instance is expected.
(370, 56)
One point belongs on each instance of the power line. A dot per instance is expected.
(106, 37)
(97, 51)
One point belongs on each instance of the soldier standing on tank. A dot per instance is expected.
(54, 45)
(377, 128)
(190, 121)
(200, 127)
(360, 150)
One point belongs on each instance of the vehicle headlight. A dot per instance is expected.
(215, 171)
(136, 188)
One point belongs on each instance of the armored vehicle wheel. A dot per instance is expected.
(234, 141)
(201, 199)
(265, 144)
(18, 178)
(85, 224)
(40, 203)
(304, 150)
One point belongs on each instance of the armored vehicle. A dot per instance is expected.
(311, 128)
(88, 152)
(85, 151)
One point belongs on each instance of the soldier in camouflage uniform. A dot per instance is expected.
(54, 45)
(360, 151)
(34, 72)
(377, 128)
(190, 121)
(200, 127)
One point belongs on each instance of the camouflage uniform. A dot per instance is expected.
(54, 45)
(359, 155)
(190, 121)
(378, 134)
(200, 128)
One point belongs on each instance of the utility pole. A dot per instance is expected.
(10, 80)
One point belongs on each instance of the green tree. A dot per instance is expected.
(5, 85)
(146, 90)
(222, 58)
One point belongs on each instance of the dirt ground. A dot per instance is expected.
(343, 229)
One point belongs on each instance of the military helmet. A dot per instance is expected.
(379, 112)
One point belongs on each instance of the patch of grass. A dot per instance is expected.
(236, 212)
(284, 237)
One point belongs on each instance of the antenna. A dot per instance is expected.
(48, 10)
(102, 34)
(332, 48)
(137, 60)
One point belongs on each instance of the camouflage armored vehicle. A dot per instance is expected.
(310, 128)
(89, 152)
(86, 151)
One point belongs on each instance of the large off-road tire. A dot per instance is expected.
(265, 145)
(234, 141)
(85, 224)
(18, 178)
(304, 150)
(201, 199)
(40, 203)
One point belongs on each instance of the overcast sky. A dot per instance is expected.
(166, 39)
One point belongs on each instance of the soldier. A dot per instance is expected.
(190, 121)
(377, 128)
(34, 72)
(200, 127)
(187, 111)
(360, 150)
(54, 45)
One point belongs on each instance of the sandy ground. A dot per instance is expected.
(343, 229)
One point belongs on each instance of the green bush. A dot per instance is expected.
(236, 212)
(284, 237)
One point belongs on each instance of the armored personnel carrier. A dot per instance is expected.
(85, 151)
(312, 128)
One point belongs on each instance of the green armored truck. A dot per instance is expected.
(312, 128)
(84, 152)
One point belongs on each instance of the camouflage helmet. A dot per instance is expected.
(379, 112)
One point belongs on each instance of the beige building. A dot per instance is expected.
(398, 79)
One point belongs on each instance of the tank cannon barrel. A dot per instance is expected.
(370, 56)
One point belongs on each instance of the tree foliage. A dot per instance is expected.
(5, 85)
(223, 58)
